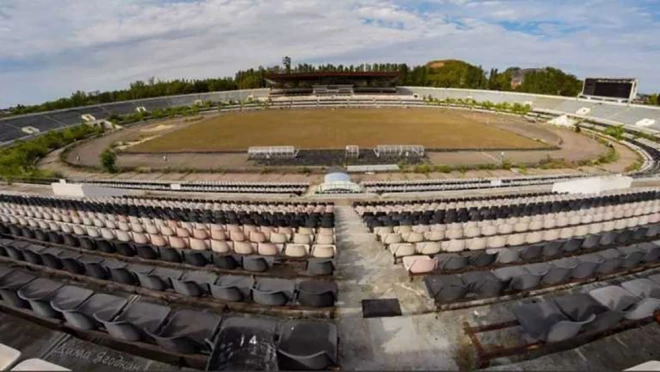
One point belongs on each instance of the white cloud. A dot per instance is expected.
(51, 48)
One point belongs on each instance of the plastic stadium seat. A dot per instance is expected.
(186, 331)
(134, 322)
(305, 345)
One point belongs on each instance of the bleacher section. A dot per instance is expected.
(385, 187)
(229, 270)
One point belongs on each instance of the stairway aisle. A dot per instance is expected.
(366, 271)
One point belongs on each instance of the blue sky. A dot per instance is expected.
(53, 47)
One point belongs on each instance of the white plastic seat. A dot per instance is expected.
(453, 246)
(428, 248)
(38, 365)
(221, 246)
(296, 250)
(8, 356)
(419, 264)
(324, 250)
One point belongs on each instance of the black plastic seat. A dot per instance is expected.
(320, 266)
(67, 297)
(187, 331)
(101, 305)
(273, 292)
(305, 345)
(482, 283)
(194, 283)
(232, 288)
(51, 258)
(445, 288)
(158, 279)
(232, 353)
(224, 261)
(136, 321)
(257, 263)
(32, 254)
(38, 294)
(317, 293)
(11, 283)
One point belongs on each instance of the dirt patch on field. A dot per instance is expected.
(157, 128)
(337, 128)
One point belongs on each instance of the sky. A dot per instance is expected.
(50, 48)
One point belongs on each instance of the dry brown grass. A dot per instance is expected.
(328, 128)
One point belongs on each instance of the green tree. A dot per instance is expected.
(109, 161)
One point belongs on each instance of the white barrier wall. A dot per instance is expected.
(593, 185)
(80, 191)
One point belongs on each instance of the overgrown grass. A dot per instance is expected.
(19, 160)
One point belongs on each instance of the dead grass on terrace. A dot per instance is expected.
(336, 128)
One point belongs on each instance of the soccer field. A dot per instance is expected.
(337, 128)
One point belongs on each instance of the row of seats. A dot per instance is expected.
(267, 218)
(192, 186)
(262, 291)
(465, 214)
(225, 255)
(151, 246)
(438, 232)
(302, 344)
(561, 318)
(545, 199)
(414, 186)
(256, 234)
(513, 279)
(605, 233)
(423, 264)
(455, 200)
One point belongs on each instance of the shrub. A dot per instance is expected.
(109, 161)
(443, 168)
(423, 168)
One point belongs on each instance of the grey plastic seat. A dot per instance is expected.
(133, 324)
(66, 297)
(89, 265)
(643, 288)
(32, 254)
(531, 252)
(225, 261)
(451, 261)
(317, 293)
(305, 345)
(232, 288)
(544, 321)
(618, 299)
(10, 283)
(158, 279)
(170, 254)
(273, 291)
(197, 257)
(446, 288)
(51, 258)
(505, 255)
(257, 263)
(483, 284)
(147, 251)
(595, 240)
(38, 294)
(194, 283)
(572, 244)
(518, 278)
(121, 272)
(320, 266)
(609, 238)
(652, 252)
(15, 249)
(631, 256)
(187, 331)
(587, 265)
(553, 249)
(612, 261)
(103, 305)
(482, 258)
(580, 307)
(245, 344)
(559, 271)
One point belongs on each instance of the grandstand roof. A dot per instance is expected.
(333, 74)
